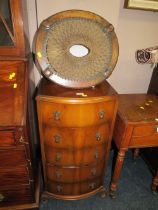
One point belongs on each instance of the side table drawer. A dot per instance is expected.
(74, 174)
(75, 188)
(145, 130)
(76, 115)
(65, 157)
(76, 138)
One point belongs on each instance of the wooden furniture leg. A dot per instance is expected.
(155, 183)
(117, 170)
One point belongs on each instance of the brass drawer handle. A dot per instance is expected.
(57, 138)
(59, 188)
(98, 136)
(101, 114)
(58, 174)
(58, 157)
(1, 197)
(92, 185)
(156, 128)
(93, 171)
(96, 155)
(57, 115)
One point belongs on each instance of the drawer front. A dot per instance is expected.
(76, 138)
(63, 157)
(16, 196)
(74, 189)
(144, 136)
(145, 130)
(145, 141)
(7, 138)
(14, 176)
(12, 157)
(71, 175)
(76, 115)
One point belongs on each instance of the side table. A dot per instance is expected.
(136, 126)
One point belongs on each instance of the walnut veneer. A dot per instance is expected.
(75, 134)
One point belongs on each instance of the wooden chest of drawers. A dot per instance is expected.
(75, 134)
(17, 177)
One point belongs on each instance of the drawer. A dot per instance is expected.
(16, 195)
(76, 138)
(75, 188)
(145, 130)
(65, 157)
(14, 176)
(76, 115)
(144, 141)
(12, 157)
(7, 138)
(71, 175)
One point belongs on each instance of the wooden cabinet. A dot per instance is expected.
(19, 187)
(75, 135)
(17, 168)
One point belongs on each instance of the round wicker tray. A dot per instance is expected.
(55, 39)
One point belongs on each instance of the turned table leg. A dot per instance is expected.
(155, 183)
(117, 171)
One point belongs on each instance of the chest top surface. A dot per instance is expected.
(49, 89)
(12, 93)
(138, 107)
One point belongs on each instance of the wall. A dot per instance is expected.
(135, 29)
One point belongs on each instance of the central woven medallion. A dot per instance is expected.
(76, 48)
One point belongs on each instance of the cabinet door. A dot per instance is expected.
(12, 41)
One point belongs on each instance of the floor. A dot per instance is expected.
(133, 191)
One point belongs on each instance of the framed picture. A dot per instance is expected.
(151, 5)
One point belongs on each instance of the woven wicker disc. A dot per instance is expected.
(60, 34)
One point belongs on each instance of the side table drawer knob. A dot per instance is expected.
(101, 114)
(156, 128)
(57, 115)
(1, 197)
(57, 138)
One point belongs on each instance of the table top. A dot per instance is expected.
(138, 107)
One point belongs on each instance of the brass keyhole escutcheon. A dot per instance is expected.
(57, 115)
(58, 157)
(98, 136)
(101, 114)
(57, 138)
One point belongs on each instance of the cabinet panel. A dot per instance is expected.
(12, 157)
(86, 156)
(76, 138)
(76, 115)
(74, 174)
(74, 189)
(18, 195)
(14, 176)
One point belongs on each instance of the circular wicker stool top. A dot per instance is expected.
(76, 48)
